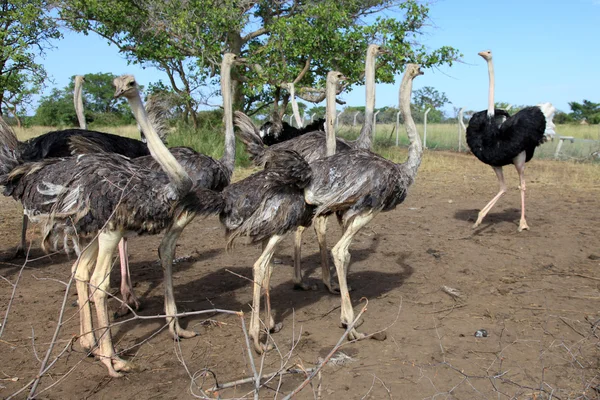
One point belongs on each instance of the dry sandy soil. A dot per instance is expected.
(536, 293)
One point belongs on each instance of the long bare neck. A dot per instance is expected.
(415, 150)
(491, 89)
(330, 115)
(78, 102)
(228, 159)
(365, 138)
(158, 150)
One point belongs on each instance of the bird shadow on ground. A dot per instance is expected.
(36, 258)
(511, 215)
(212, 290)
(151, 271)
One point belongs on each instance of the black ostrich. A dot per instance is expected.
(101, 198)
(273, 132)
(498, 139)
(312, 146)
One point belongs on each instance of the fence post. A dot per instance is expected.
(355, 115)
(337, 120)
(461, 126)
(425, 128)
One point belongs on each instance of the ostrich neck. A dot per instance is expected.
(415, 150)
(365, 138)
(78, 99)
(330, 116)
(491, 91)
(158, 150)
(228, 159)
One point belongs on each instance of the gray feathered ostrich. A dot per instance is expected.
(507, 140)
(267, 205)
(102, 197)
(56, 144)
(205, 171)
(312, 146)
(359, 184)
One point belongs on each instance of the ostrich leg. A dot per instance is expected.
(341, 259)
(23, 245)
(260, 271)
(83, 270)
(299, 284)
(519, 162)
(100, 283)
(321, 230)
(488, 207)
(167, 252)
(127, 293)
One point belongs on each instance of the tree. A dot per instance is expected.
(586, 110)
(100, 105)
(285, 41)
(26, 32)
(428, 97)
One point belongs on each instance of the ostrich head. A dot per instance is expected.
(125, 85)
(486, 54)
(413, 70)
(79, 79)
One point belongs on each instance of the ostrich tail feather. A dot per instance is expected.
(548, 110)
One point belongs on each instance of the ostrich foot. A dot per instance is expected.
(179, 333)
(114, 364)
(355, 335)
(523, 226)
(129, 299)
(344, 325)
(19, 252)
(276, 327)
(304, 286)
(259, 347)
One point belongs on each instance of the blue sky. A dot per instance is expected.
(543, 51)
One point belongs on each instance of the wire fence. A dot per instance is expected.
(571, 142)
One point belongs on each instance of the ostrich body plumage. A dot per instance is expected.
(273, 133)
(498, 145)
(354, 182)
(269, 202)
(82, 195)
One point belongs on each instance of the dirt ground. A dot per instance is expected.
(536, 293)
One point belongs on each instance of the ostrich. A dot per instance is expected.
(507, 140)
(57, 144)
(267, 205)
(102, 197)
(357, 185)
(205, 171)
(273, 132)
(312, 146)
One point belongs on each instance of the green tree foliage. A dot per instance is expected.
(586, 110)
(25, 32)
(100, 107)
(285, 41)
(428, 97)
